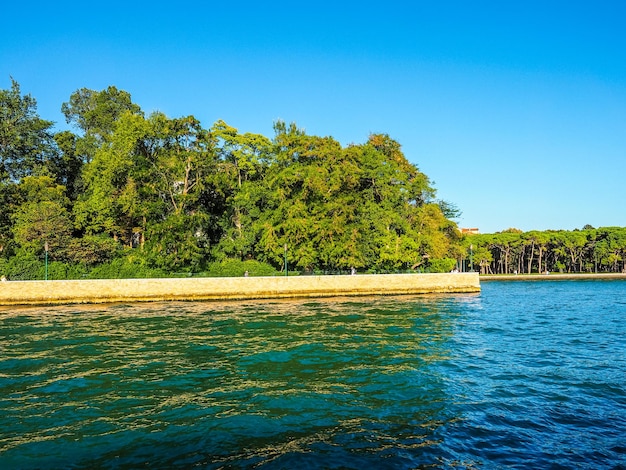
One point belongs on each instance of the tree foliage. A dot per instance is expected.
(149, 196)
(586, 250)
(26, 140)
(176, 197)
(95, 113)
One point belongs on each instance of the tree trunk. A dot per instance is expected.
(143, 232)
(530, 259)
(506, 262)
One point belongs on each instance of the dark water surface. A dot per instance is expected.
(522, 375)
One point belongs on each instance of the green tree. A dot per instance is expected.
(362, 206)
(96, 114)
(538, 242)
(112, 202)
(295, 188)
(506, 249)
(26, 140)
(574, 244)
(184, 195)
(610, 248)
(69, 169)
(241, 163)
(483, 258)
(175, 244)
(148, 178)
(43, 218)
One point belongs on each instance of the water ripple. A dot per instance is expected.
(522, 375)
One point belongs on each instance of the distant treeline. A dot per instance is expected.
(127, 195)
(587, 250)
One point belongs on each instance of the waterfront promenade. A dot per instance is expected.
(551, 276)
(232, 288)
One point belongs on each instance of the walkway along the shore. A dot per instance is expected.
(551, 276)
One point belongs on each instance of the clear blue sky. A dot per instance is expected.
(516, 110)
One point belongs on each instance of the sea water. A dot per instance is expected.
(521, 375)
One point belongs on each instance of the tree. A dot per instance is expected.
(43, 217)
(42, 223)
(149, 179)
(505, 243)
(26, 140)
(611, 248)
(182, 194)
(96, 113)
(111, 202)
(69, 171)
(296, 187)
(241, 163)
(176, 155)
(362, 206)
(483, 257)
(574, 244)
(7, 208)
(538, 241)
(177, 243)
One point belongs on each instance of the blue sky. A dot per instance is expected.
(515, 110)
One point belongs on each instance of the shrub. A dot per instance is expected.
(235, 267)
(442, 265)
(58, 270)
(24, 266)
(92, 249)
(125, 268)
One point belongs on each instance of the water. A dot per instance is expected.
(522, 375)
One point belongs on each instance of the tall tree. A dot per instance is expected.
(241, 163)
(574, 244)
(149, 179)
(96, 113)
(112, 202)
(26, 140)
(43, 218)
(334, 207)
(26, 148)
(69, 171)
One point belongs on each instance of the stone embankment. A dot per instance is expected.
(232, 288)
(551, 276)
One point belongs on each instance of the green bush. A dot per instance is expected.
(24, 266)
(92, 250)
(235, 267)
(125, 268)
(62, 271)
(442, 265)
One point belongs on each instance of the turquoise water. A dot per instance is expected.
(522, 375)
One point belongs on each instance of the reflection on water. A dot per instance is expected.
(223, 383)
(385, 382)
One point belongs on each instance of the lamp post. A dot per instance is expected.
(471, 257)
(45, 247)
(286, 271)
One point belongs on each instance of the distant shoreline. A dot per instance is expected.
(551, 277)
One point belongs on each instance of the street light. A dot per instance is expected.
(286, 271)
(45, 247)
(471, 257)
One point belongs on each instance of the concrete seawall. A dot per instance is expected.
(552, 277)
(231, 288)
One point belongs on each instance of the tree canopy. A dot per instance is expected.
(586, 250)
(167, 195)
